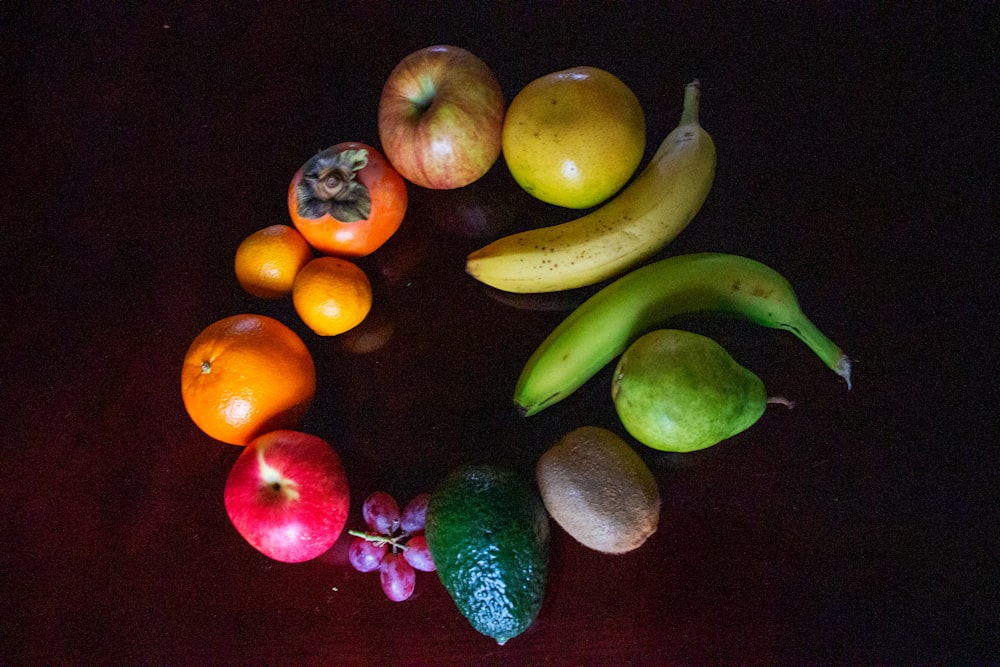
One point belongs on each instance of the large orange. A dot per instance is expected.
(268, 260)
(247, 375)
(332, 295)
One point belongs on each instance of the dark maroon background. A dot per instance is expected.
(141, 145)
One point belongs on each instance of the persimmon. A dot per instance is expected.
(347, 200)
(247, 375)
(268, 260)
(332, 295)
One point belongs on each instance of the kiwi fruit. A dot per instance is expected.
(599, 490)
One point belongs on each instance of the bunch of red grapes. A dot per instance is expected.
(395, 546)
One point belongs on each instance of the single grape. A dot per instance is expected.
(398, 577)
(418, 555)
(415, 513)
(381, 513)
(365, 555)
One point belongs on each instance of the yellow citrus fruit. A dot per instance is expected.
(573, 138)
(268, 260)
(332, 295)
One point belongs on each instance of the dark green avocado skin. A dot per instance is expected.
(488, 534)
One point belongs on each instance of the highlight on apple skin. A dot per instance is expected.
(440, 117)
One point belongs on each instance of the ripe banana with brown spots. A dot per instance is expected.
(645, 216)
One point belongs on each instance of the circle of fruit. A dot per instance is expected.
(332, 295)
(246, 375)
(574, 137)
(268, 260)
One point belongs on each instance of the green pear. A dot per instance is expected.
(679, 391)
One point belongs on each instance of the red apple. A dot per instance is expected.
(287, 495)
(440, 119)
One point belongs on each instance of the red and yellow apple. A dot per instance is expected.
(440, 117)
(287, 495)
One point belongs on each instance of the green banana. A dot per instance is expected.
(645, 216)
(603, 326)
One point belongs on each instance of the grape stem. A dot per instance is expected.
(392, 540)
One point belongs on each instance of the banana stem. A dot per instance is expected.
(692, 98)
(824, 348)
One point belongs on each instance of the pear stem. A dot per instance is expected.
(780, 400)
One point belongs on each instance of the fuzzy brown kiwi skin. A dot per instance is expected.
(599, 490)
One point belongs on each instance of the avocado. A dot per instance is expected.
(488, 534)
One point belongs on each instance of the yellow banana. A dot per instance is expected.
(645, 216)
(604, 325)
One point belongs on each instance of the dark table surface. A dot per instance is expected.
(856, 154)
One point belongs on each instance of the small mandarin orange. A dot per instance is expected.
(332, 295)
(247, 375)
(268, 260)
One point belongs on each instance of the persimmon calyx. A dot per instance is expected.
(329, 186)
